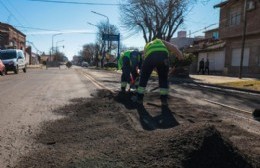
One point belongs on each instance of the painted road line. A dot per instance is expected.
(96, 83)
(224, 105)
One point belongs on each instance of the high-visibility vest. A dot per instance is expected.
(120, 61)
(155, 45)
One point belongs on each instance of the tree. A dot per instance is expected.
(88, 52)
(103, 28)
(58, 56)
(154, 18)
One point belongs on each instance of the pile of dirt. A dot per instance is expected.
(101, 132)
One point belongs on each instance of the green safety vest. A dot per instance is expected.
(155, 45)
(120, 61)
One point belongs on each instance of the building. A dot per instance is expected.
(213, 49)
(182, 41)
(10, 37)
(231, 30)
(31, 57)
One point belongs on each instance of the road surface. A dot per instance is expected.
(57, 117)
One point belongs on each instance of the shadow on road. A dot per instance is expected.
(125, 99)
(163, 121)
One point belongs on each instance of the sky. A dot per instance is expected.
(43, 21)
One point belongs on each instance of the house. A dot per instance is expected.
(231, 30)
(44, 58)
(211, 48)
(182, 41)
(31, 57)
(10, 37)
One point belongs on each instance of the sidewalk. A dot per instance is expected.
(217, 81)
(211, 79)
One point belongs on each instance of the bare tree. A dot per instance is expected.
(89, 52)
(154, 18)
(103, 28)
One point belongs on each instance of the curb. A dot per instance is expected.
(214, 85)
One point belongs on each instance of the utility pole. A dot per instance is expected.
(243, 40)
(52, 43)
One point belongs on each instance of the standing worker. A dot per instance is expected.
(156, 55)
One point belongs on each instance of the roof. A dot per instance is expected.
(216, 46)
(207, 47)
(10, 26)
(221, 4)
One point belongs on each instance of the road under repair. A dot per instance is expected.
(106, 129)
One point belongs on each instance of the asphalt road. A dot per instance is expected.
(28, 99)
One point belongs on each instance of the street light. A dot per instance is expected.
(92, 24)
(107, 25)
(57, 44)
(52, 43)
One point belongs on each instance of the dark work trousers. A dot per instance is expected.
(160, 61)
(125, 77)
(134, 72)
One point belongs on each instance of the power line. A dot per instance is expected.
(204, 28)
(75, 3)
(10, 12)
(36, 28)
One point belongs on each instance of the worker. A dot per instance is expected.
(156, 55)
(135, 66)
(124, 64)
(130, 63)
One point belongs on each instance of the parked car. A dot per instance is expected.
(2, 68)
(13, 60)
(110, 65)
(84, 64)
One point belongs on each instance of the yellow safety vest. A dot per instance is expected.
(155, 45)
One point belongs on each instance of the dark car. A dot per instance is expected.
(110, 65)
(2, 68)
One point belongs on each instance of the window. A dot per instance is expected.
(236, 57)
(215, 35)
(235, 16)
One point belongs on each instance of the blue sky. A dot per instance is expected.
(41, 20)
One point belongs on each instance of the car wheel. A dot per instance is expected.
(16, 70)
(24, 70)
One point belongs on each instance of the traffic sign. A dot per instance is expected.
(110, 37)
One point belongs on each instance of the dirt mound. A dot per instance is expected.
(210, 149)
(101, 132)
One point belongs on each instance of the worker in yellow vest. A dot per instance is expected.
(156, 55)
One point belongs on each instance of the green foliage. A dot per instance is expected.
(188, 59)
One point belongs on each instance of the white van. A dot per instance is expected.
(13, 60)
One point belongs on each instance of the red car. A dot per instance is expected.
(2, 68)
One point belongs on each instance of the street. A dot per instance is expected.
(27, 99)
(76, 118)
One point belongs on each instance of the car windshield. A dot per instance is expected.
(7, 55)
